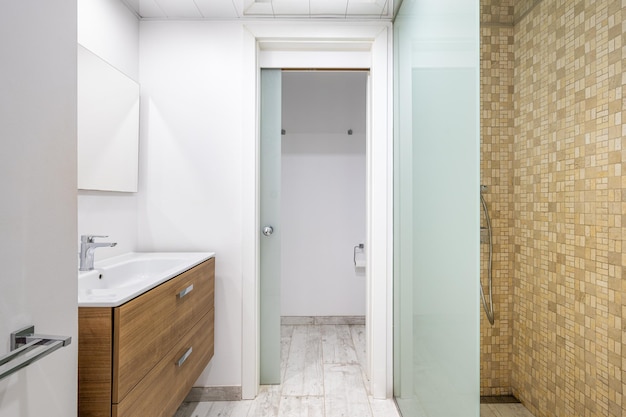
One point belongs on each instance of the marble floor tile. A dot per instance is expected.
(337, 344)
(230, 408)
(266, 403)
(303, 372)
(214, 409)
(322, 368)
(345, 393)
(200, 409)
(307, 406)
(323, 374)
(358, 340)
(241, 408)
(286, 333)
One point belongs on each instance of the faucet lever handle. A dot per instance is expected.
(90, 238)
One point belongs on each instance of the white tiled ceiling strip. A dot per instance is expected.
(236, 9)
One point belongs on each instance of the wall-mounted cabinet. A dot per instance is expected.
(142, 358)
(108, 126)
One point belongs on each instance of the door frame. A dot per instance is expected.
(341, 45)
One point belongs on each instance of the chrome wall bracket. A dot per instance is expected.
(28, 347)
(359, 246)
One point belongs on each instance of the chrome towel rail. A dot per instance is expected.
(28, 347)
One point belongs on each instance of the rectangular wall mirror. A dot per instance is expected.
(108, 126)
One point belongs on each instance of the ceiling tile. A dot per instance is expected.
(258, 8)
(291, 7)
(132, 5)
(218, 9)
(367, 7)
(180, 8)
(149, 9)
(234, 9)
(328, 7)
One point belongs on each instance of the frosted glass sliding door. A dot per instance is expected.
(270, 248)
(436, 266)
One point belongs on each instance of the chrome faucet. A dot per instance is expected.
(87, 249)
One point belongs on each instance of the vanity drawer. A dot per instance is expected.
(163, 389)
(148, 327)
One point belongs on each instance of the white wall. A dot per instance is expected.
(190, 159)
(38, 188)
(323, 193)
(111, 31)
(191, 189)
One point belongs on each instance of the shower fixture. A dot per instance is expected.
(488, 307)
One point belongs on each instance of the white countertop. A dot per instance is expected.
(116, 280)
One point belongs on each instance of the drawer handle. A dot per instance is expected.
(183, 358)
(185, 291)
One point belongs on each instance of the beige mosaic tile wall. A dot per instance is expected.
(569, 343)
(522, 7)
(497, 12)
(497, 135)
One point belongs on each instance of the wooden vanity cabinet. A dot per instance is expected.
(142, 358)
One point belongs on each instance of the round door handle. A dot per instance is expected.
(268, 230)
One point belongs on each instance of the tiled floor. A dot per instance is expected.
(323, 376)
(504, 410)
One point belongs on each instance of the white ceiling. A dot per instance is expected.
(242, 9)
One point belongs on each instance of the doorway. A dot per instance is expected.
(323, 199)
(312, 203)
(317, 45)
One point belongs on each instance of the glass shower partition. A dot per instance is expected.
(436, 219)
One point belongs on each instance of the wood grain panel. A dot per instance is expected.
(148, 327)
(160, 393)
(95, 350)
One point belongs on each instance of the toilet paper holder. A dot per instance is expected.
(359, 246)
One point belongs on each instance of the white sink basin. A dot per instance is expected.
(117, 280)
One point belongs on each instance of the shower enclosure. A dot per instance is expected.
(437, 218)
